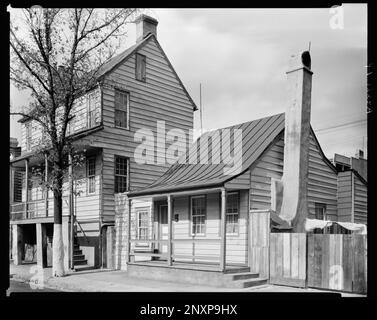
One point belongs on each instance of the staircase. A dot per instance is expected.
(79, 261)
(242, 278)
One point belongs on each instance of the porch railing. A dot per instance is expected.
(33, 209)
(183, 250)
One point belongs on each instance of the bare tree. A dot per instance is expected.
(55, 55)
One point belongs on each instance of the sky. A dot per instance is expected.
(240, 57)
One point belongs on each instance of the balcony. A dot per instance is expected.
(35, 209)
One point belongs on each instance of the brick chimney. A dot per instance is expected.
(145, 25)
(294, 208)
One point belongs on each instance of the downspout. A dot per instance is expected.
(352, 197)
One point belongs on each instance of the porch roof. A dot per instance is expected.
(257, 135)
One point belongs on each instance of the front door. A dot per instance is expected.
(163, 226)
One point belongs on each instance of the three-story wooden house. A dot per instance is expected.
(135, 90)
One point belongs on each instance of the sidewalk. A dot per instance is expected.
(103, 280)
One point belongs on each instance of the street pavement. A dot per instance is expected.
(104, 280)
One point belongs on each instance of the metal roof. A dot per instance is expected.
(257, 135)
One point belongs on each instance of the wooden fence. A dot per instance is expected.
(337, 262)
(259, 242)
(323, 261)
(288, 259)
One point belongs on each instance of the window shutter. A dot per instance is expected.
(141, 67)
(98, 106)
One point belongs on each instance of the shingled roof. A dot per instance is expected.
(257, 135)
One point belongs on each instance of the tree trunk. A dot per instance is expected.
(57, 242)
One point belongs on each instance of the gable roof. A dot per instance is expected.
(257, 135)
(120, 58)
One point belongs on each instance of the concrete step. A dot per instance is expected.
(77, 251)
(83, 267)
(248, 283)
(237, 270)
(78, 257)
(79, 262)
(242, 276)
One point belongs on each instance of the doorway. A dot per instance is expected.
(163, 227)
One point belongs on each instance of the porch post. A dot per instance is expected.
(169, 229)
(26, 187)
(129, 231)
(46, 189)
(71, 233)
(223, 231)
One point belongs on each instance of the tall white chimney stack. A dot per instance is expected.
(144, 26)
(294, 207)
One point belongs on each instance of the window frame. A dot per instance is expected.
(233, 214)
(319, 205)
(143, 76)
(91, 96)
(88, 177)
(139, 227)
(202, 234)
(127, 111)
(126, 175)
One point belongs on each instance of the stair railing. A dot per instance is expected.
(75, 220)
(82, 230)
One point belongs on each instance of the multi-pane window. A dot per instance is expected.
(121, 108)
(28, 129)
(142, 225)
(198, 215)
(121, 171)
(141, 64)
(91, 174)
(91, 110)
(232, 213)
(320, 211)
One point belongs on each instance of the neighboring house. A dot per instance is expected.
(197, 217)
(352, 188)
(135, 90)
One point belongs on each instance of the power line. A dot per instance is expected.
(341, 125)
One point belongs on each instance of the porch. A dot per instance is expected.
(198, 230)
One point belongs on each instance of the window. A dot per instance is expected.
(28, 135)
(320, 211)
(121, 172)
(142, 225)
(141, 63)
(91, 174)
(121, 108)
(232, 213)
(91, 110)
(198, 215)
(320, 214)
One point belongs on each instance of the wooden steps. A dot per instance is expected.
(79, 261)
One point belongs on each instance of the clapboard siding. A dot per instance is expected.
(160, 98)
(345, 196)
(360, 200)
(322, 183)
(269, 165)
(322, 180)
